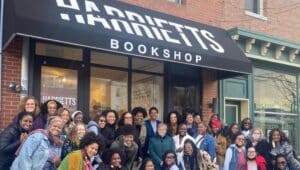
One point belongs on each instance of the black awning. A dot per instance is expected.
(123, 28)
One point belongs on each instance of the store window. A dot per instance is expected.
(275, 101)
(109, 59)
(57, 51)
(108, 89)
(147, 91)
(59, 84)
(147, 65)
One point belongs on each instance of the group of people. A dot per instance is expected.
(49, 137)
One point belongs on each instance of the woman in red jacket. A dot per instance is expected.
(254, 161)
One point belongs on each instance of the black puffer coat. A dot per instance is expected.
(9, 143)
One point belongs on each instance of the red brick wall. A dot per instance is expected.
(11, 72)
(204, 11)
(282, 18)
(210, 91)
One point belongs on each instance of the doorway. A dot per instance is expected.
(184, 88)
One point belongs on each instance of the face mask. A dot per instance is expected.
(251, 159)
(256, 137)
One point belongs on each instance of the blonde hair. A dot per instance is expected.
(73, 133)
(51, 102)
(22, 104)
(262, 135)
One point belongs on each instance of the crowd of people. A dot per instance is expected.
(50, 137)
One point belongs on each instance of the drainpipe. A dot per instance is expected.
(1, 49)
(24, 67)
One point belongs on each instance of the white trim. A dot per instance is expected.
(255, 15)
(276, 113)
(271, 60)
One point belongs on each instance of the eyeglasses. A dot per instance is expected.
(281, 163)
(240, 139)
(102, 120)
(170, 157)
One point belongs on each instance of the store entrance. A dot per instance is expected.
(184, 88)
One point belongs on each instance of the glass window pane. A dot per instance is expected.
(273, 91)
(58, 51)
(61, 85)
(108, 89)
(275, 102)
(147, 65)
(109, 59)
(148, 91)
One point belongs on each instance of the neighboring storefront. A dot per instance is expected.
(272, 91)
(95, 55)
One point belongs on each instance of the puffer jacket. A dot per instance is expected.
(9, 143)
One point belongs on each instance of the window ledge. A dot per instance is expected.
(258, 16)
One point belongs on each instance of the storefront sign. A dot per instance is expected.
(123, 28)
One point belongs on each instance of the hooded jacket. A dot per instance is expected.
(128, 153)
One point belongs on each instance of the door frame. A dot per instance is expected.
(172, 79)
(244, 104)
(82, 67)
(236, 111)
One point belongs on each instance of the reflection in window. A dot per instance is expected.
(61, 85)
(275, 102)
(108, 89)
(147, 91)
(274, 92)
(147, 65)
(58, 51)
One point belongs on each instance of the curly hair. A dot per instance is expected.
(90, 138)
(108, 154)
(21, 115)
(168, 120)
(283, 137)
(243, 122)
(136, 110)
(22, 104)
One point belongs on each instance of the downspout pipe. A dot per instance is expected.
(1, 49)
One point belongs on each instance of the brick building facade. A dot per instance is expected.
(226, 14)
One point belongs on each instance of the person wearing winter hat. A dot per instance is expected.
(126, 145)
(77, 117)
(221, 142)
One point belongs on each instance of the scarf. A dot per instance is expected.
(53, 139)
(87, 164)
